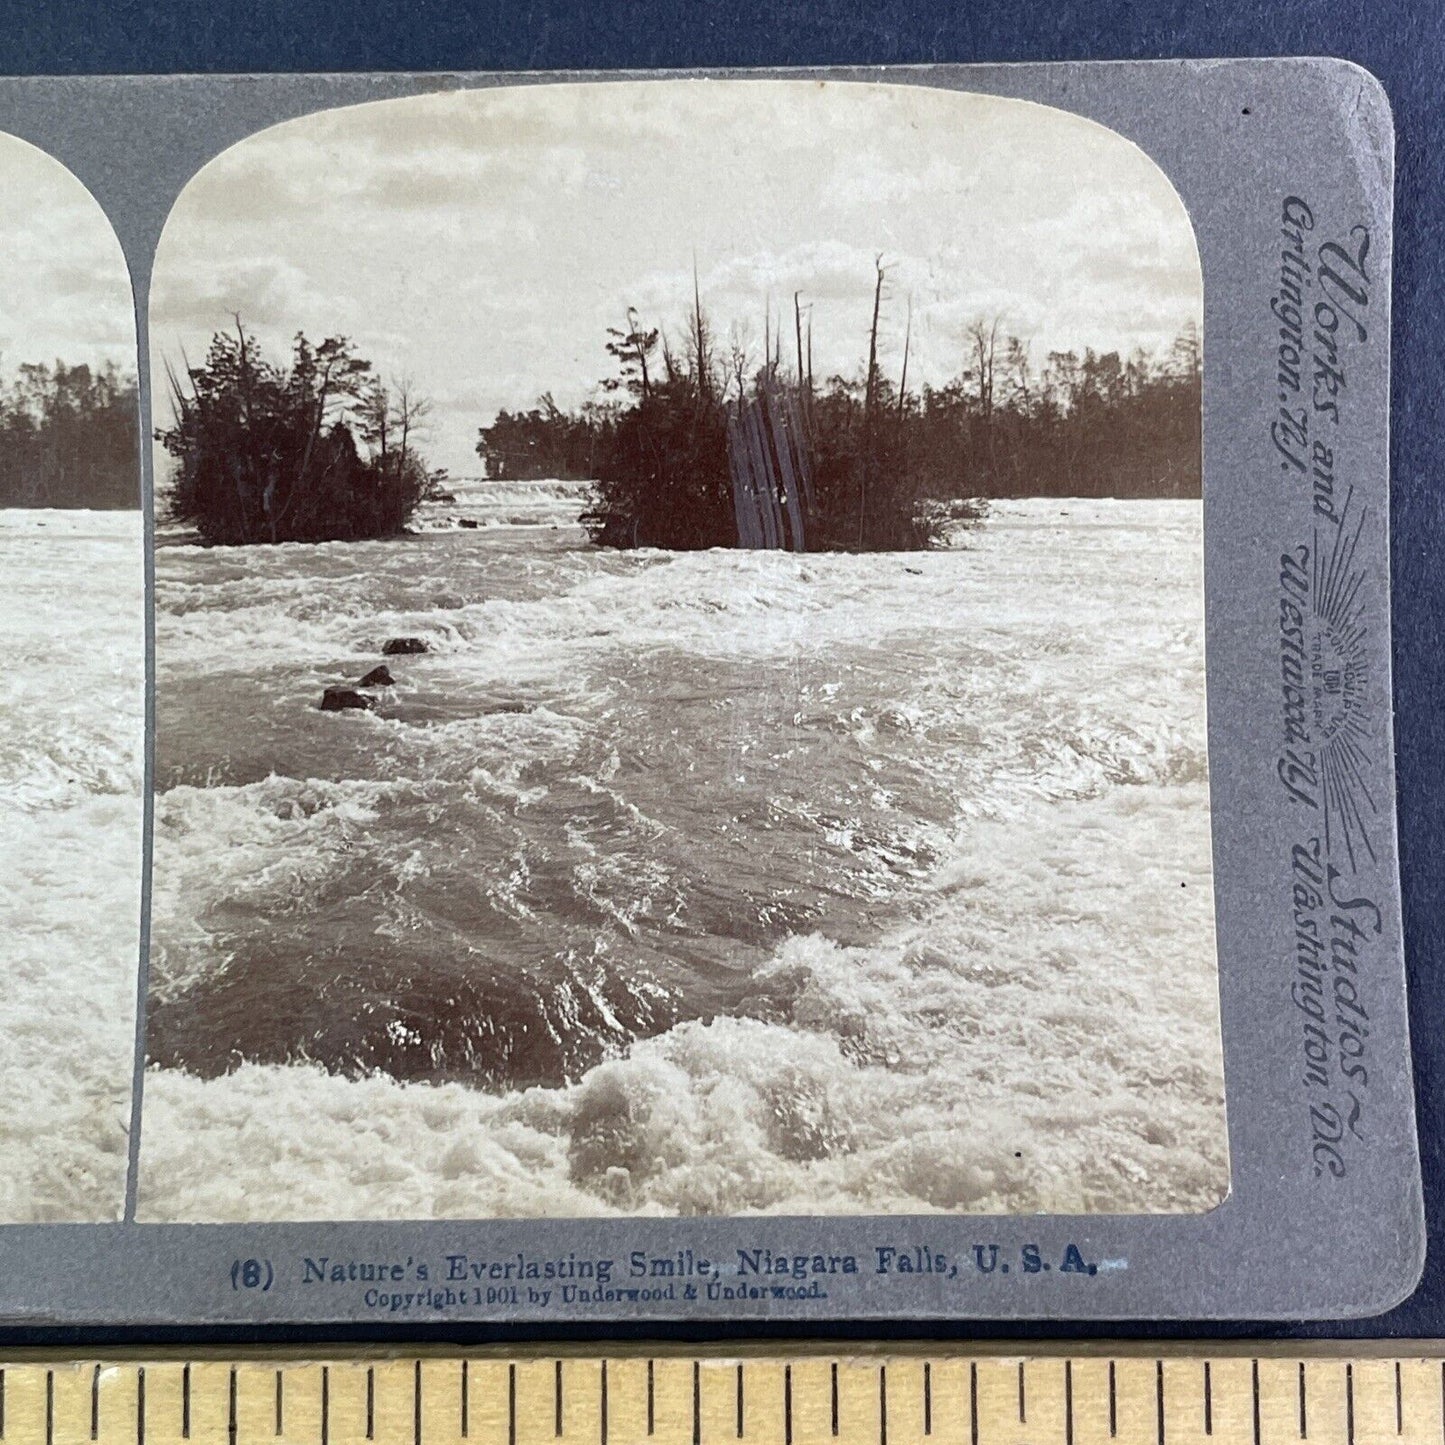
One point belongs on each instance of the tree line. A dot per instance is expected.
(317, 449)
(693, 441)
(687, 425)
(69, 437)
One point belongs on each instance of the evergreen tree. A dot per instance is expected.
(69, 437)
(319, 450)
(698, 454)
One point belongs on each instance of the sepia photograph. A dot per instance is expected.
(72, 736)
(679, 664)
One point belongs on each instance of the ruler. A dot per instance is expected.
(775, 1396)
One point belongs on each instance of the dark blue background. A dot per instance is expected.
(1403, 43)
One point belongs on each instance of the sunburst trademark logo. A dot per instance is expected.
(1339, 677)
(1328, 711)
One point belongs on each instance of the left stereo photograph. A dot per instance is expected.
(72, 688)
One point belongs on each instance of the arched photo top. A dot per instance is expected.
(483, 242)
(624, 858)
(72, 711)
(67, 325)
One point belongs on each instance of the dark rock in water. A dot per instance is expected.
(340, 699)
(377, 677)
(442, 497)
(470, 523)
(404, 647)
(507, 707)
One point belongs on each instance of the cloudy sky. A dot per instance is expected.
(481, 243)
(64, 289)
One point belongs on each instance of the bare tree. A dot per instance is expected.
(870, 389)
(410, 415)
(390, 416)
(870, 394)
(984, 335)
(701, 341)
(738, 355)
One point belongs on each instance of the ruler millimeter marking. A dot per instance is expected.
(937, 1398)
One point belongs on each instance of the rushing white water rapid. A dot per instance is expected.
(72, 640)
(714, 882)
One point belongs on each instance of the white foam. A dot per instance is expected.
(71, 740)
(1042, 1032)
(1039, 1040)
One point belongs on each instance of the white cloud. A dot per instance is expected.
(483, 241)
(66, 291)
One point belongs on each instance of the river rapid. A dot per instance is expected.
(708, 883)
(72, 743)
